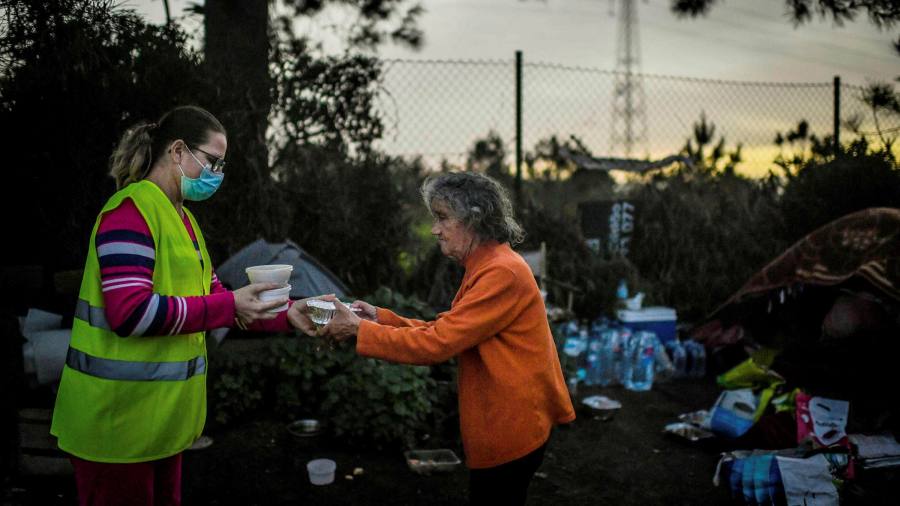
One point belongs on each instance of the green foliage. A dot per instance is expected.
(408, 306)
(303, 365)
(363, 400)
(826, 189)
(488, 155)
(327, 101)
(377, 21)
(882, 13)
(883, 100)
(716, 158)
(73, 76)
(699, 238)
(571, 262)
(381, 403)
(237, 388)
(353, 215)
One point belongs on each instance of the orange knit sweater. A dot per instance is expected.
(511, 387)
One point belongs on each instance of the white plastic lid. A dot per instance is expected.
(270, 267)
(647, 314)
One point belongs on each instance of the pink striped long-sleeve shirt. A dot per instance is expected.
(125, 250)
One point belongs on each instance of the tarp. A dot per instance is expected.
(308, 278)
(864, 244)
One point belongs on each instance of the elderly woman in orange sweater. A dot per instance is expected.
(511, 387)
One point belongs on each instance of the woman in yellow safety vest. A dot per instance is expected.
(132, 396)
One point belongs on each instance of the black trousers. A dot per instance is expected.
(506, 484)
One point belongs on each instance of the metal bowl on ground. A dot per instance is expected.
(600, 407)
(305, 427)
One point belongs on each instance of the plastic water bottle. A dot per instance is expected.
(595, 345)
(582, 351)
(572, 346)
(621, 294)
(664, 369)
(679, 357)
(606, 364)
(642, 355)
(621, 363)
(697, 354)
(622, 290)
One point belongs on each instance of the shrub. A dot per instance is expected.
(825, 190)
(237, 387)
(302, 367)
(379, 403)
(701, 236)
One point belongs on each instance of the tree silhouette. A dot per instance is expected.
(882, 13)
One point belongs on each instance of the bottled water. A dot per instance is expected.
(641, 363)
(679, 357)
(696, 353)
(582, 359)
(620, 352)
(607, 373)
(572, 347)
(664, 369)
(594, 351)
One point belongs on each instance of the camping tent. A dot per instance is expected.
(830, 306)
(308, 278)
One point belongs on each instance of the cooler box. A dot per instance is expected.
(659, 320)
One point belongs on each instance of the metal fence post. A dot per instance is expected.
(837, 115)
(518, 187)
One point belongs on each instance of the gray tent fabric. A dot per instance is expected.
(308, 278)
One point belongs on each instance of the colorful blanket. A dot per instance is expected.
(864, 244)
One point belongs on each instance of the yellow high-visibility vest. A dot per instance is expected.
(136, 398)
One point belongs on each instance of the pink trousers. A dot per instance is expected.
(154, 483)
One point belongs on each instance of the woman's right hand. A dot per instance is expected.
(366, 311)
(247, 306)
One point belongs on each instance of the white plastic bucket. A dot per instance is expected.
(321, 471)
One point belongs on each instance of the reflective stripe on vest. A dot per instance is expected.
(94, 316)
(134, 371)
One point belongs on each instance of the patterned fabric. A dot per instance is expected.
(864, 244)
(125, 250)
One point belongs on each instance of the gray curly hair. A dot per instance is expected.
(478, 201)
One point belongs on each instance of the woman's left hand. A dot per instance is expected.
(343, 325)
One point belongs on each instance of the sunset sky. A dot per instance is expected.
(739, 41)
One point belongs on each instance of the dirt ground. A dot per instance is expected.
(625, 461)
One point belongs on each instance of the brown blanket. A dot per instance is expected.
(865, 244)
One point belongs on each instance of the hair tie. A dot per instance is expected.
(151, 127)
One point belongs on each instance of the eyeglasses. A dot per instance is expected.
(218, 164)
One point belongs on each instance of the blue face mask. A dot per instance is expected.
(204, 186)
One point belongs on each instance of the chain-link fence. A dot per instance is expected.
(437, 109)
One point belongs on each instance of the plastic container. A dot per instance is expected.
(678, 356)
(321, 311)
(607, 373)
(696, 359)
(307, 427)
(601, 407)
(592, 359)
(641, 361)
(429, 461)
(276, 273)
(659, 320)
(321, 471)
(275, 294)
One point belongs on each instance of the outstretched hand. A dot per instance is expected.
(298, 315)
(343, 325)
(365, 311)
